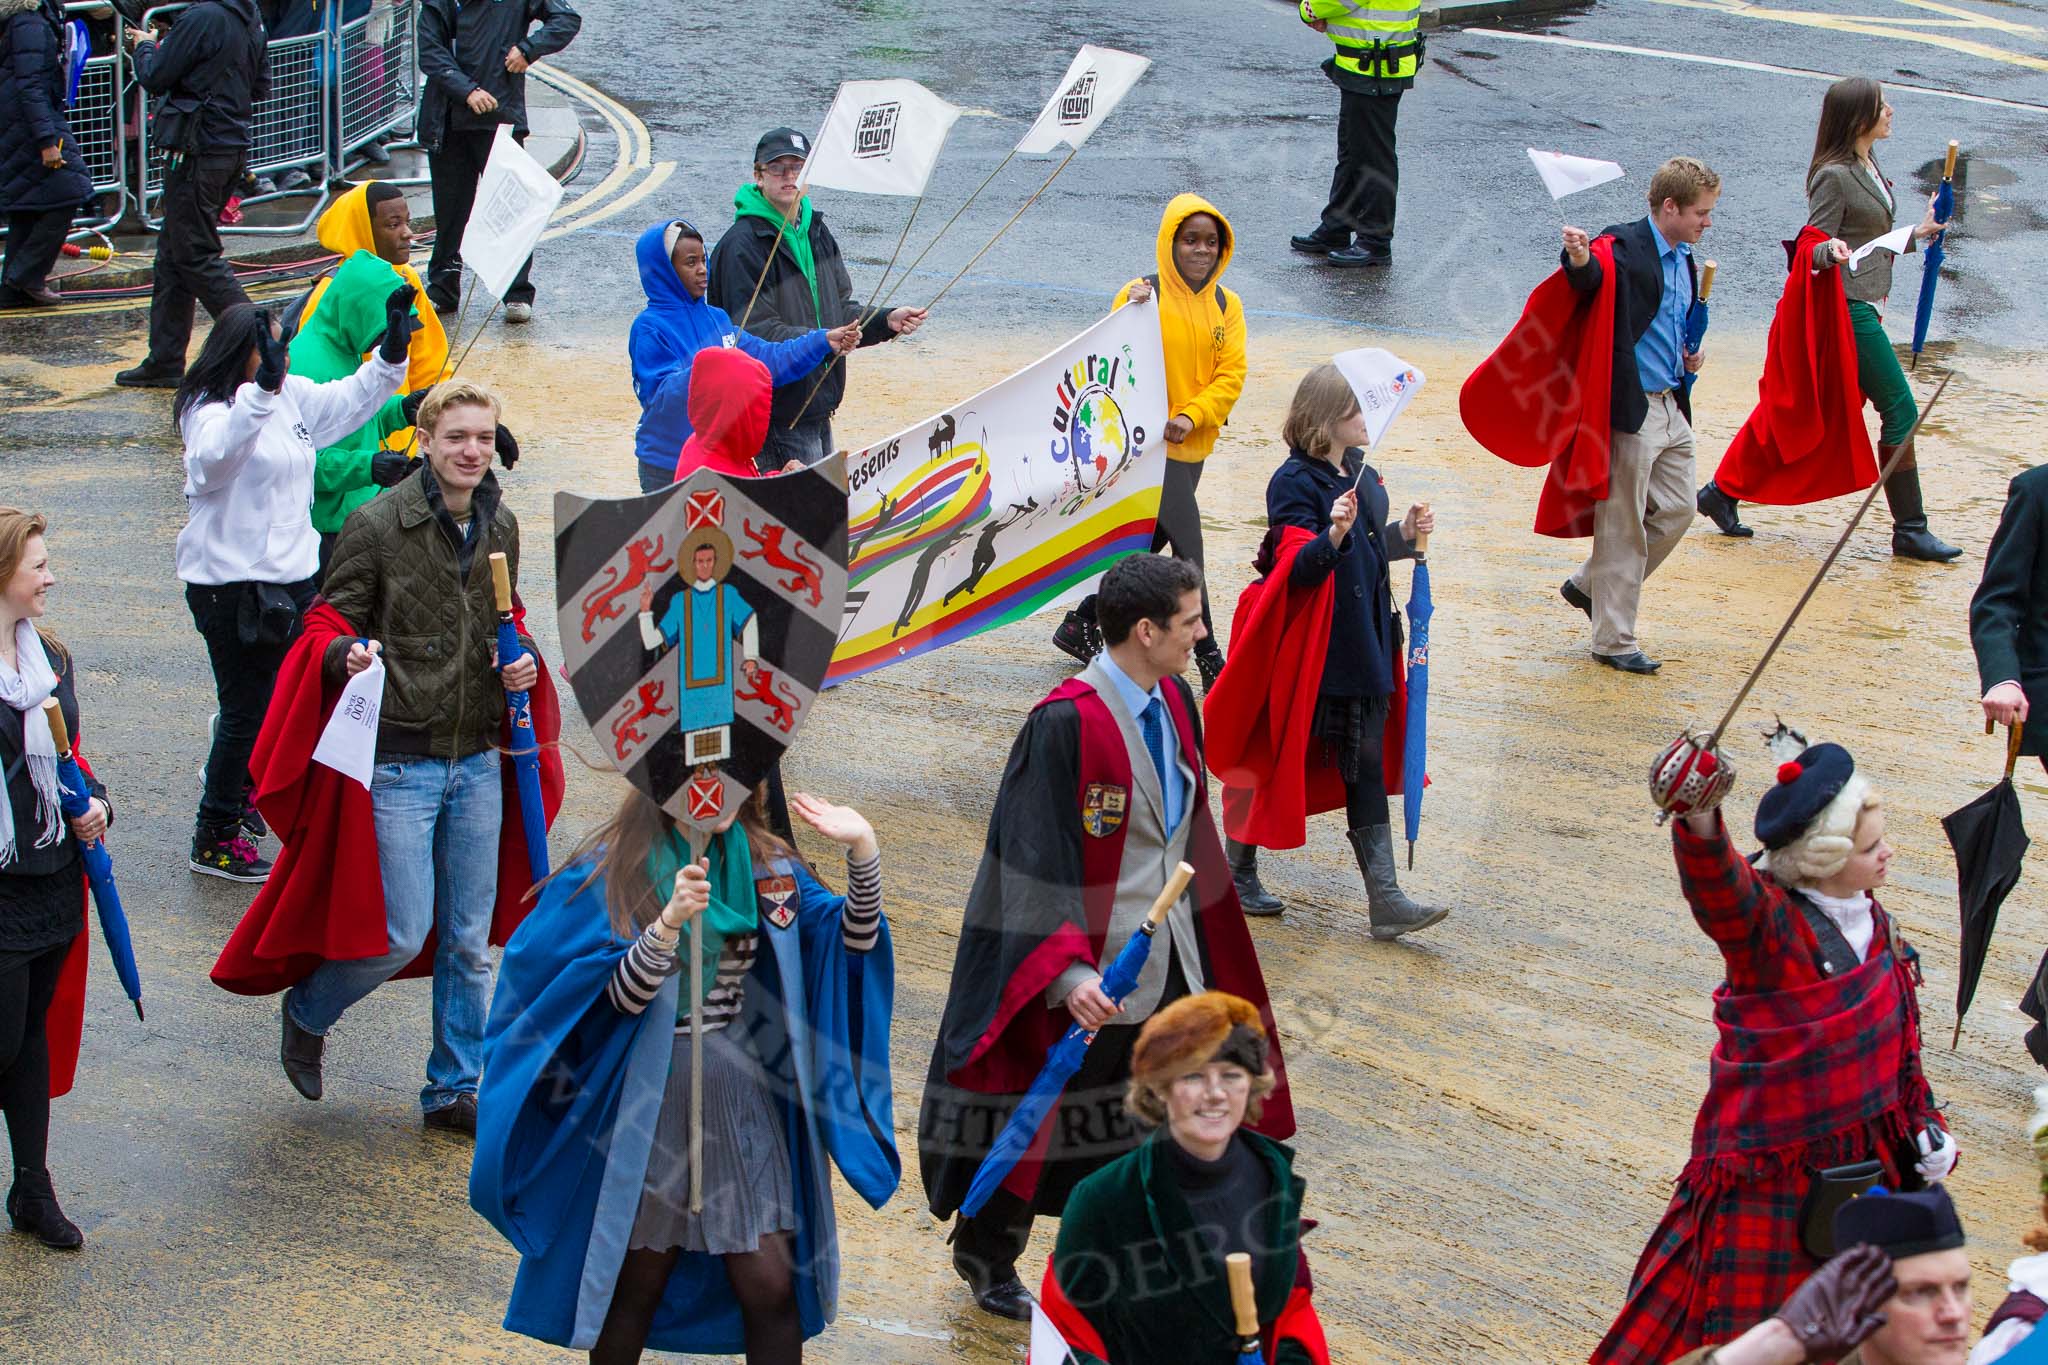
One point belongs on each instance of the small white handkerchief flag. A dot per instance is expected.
(1896, 241)
(1384, 384)
(1563, 175)
(1048, 1347)
(514, 200)
(1096, 80)
(880, 137)
(349, 743)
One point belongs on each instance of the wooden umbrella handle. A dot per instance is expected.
(1707, 279)
(501, 580)
(1242, 1302)
(1948, 166)
(54, 714)
(2012, 746)
(1422, 540)
(1176, 887)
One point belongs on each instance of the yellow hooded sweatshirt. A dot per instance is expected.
(1202, 333)
(345, 229)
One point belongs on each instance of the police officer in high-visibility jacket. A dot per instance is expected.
(1379, 47)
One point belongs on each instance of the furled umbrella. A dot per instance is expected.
(1696, 319)
(1415, 741)
(74, 797)
(533, 812)
(2034, 1004)
(1065, 1057)
(1931, 255)
(1245, 1308)
(1990, 840)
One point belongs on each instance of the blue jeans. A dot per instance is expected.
(808, 442)
(653, 478)
(437, 845)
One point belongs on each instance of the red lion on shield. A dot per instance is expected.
(805, 576)
(763, 689)
(605, 601)
(626, 731)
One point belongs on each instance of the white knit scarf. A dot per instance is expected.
(25, 688)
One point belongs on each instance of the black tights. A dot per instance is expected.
(763, 1281)
(25, 992)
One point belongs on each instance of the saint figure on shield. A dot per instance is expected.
(701, 624)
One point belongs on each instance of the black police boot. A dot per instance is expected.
(1320, 242)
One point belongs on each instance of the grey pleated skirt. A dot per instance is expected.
(747, 1188)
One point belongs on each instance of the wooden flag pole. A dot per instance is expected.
(866, 318)
(1003, 229)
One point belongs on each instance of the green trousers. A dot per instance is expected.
(1879, 376)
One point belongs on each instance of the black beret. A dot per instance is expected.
(1805, 786)
(1900, 1225)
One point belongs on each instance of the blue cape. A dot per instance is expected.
(572, 1088)
(666, 336)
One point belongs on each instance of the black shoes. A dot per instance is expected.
(32, 1208)
(229, 854)
(42, 296)
(1244, 874)
(1009, 1299)
(1719, 508)
(151, 375)
(1319, 242)
(1635, 662)
(1077, 637)
(1360, 255)
(459, 1117)
(1572, 593)
(1209, 662)
(300, 1052)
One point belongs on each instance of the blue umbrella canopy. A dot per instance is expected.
(1697, 317)
(1415, 743)
(1932, 255)
(74, 796)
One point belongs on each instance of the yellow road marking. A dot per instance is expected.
(1878, 28)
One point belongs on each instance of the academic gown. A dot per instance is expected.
(572, 1089)
(1041, 902)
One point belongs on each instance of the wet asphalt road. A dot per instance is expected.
(229, 1220)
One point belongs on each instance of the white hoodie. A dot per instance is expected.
(249, 473)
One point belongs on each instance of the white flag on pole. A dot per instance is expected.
(880, 137)
(349, 743)
(1096, 80)
(1048, 1347)
(1563, 175)
(1384, 383)
(514, 200)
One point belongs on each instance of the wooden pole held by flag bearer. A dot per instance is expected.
(1003, 229)
(866, 317)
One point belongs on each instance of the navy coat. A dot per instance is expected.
(1365, 634)
(32, 88)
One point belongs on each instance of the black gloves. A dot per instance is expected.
(272, 359)
(388, 467)
(410, 405)
(398, 324)
(508, 447)
(1837, 1306)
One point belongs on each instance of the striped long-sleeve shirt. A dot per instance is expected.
(647, 963)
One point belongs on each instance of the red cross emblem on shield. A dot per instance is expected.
(705, 507)
(706, 797)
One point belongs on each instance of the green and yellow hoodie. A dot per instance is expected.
(1202, 332)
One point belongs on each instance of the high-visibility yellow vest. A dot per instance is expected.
(1376, 39)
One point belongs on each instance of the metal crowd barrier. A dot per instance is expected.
(379, 88)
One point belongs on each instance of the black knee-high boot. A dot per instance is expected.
(1910, 537)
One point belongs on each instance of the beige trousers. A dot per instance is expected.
(1649, 505)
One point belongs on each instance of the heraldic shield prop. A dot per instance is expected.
(749, 582)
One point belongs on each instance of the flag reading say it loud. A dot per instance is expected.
(1096, 80)
(880, 137)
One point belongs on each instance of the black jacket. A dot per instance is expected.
(2009, 614)
(1636, 296)
(784, 309)
(29, 921)
(207, 76)
(1365, 634)
(462, 49)
(32, 81)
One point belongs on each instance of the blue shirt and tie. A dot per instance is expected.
(1156, 727)
(1660, 355)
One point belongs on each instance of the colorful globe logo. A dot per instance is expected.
(1099, 440)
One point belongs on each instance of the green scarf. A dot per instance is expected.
(750, 202)
(734, 909)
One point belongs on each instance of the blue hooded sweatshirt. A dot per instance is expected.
(666, 336)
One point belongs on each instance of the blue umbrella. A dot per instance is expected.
(525, 748)
(74, 796)
(77, 48)
(1065, 1058)
(1931, 255)
(1415, 744)
(1696, 319)
(1245, 1307)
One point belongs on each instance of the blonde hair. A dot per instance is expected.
(1148, 1105)
(1684, 179)
(1322, 399)
(1823, 847)
(454, 393)
(16, 526)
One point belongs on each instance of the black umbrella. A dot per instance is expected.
(1990, 840)
(2034, 1004)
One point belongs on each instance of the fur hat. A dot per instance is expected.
(1194, 1031)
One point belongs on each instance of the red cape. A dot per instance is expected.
(324, 901)
(1544, 396)
(1274, 772)
(64, 1020)
(1805, 439)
